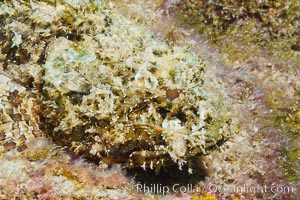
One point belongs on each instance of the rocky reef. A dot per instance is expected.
(147, 87)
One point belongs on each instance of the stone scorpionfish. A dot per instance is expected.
(103, 86)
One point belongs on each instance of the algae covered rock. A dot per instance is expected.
(109, 89)
(243, 28)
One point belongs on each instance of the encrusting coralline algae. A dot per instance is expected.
(106, 87)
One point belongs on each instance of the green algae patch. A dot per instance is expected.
(241, 28)
(286, 117)
(291, 152)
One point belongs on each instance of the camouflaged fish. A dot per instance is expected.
(104, 86)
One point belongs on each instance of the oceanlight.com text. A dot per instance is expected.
(214, 188)
(252, 189)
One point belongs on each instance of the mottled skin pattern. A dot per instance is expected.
(104, 87)
(18, 116)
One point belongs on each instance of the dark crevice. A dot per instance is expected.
(170, 175)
